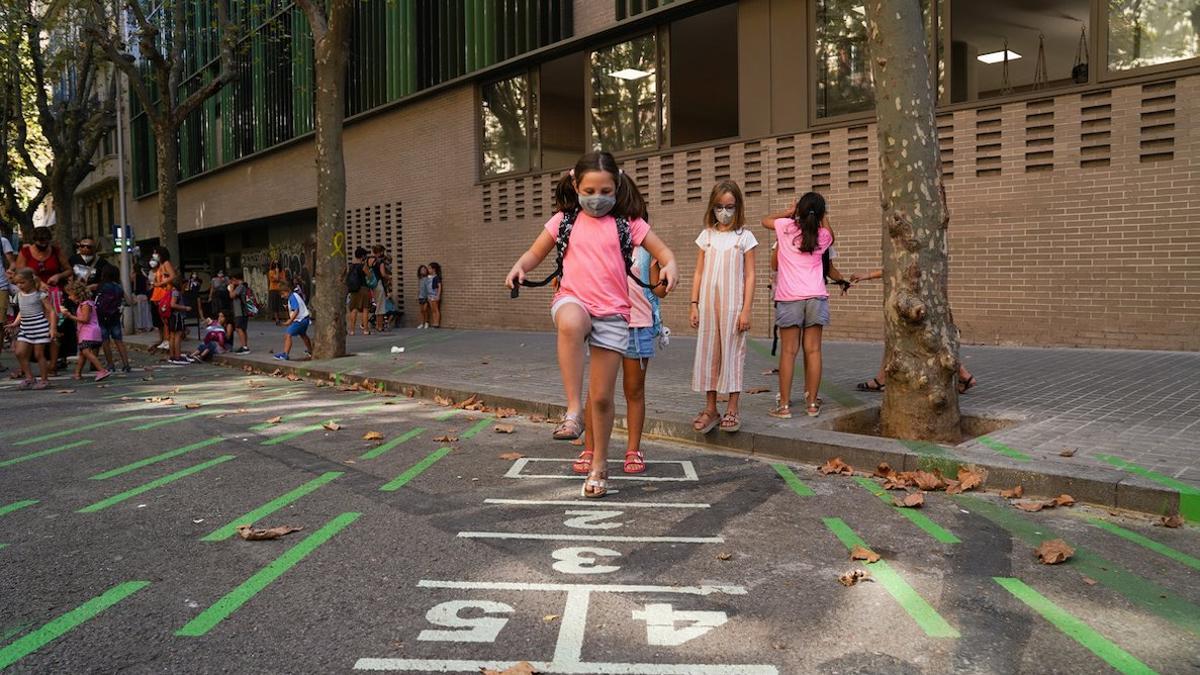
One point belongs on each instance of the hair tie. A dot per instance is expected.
(571, 173)
(620, 172)
(812, 212)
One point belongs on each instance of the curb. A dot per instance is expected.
(1101, 486)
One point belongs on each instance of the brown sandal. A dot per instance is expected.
(570, 428)
(731, 422)
(705, 422)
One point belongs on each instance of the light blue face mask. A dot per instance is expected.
(597, 206)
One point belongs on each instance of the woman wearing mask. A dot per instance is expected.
(50, 265)
(162, 281)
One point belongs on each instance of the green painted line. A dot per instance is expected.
(42, 453)
(839, 395)
(232, 601)
(760, 349)
(283, 438)
(270, 507)
(1189, 497)
(476, 428)
(2, 547)
(1004, 449)
(76, 430)
(447, 414)
(116, 499)
(917, 518)
(316, 412)
(65, 623)
(921, 611)
(1147, 542)
(16, 506)
(1137, 590)
(172, 419)
(416, 470)
(925, 448)
(792, 481)
(384, 447)
(157, 458)
(1121, 660)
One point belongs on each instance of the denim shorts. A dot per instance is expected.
(641, 343)
(802, 313)
(111, 331)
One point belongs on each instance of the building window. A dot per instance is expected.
(625, 104)
(1042, 42)
(562, 113)
(506, 126)
(704, 76)
(1152, 32)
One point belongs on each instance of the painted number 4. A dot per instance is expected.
(661, 618)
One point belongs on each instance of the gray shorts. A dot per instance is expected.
(608, 332)
(802, 313)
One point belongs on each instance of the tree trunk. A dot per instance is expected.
(167, 151)
(64, 216)
(329, 294)
(921, 341)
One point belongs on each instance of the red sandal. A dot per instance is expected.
(583, 464)
(635, 462)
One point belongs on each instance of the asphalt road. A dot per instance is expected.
(421, 554)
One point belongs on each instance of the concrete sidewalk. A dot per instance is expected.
(1129, 420)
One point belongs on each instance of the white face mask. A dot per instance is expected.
(153, 263)
(88, 258)
(724, 215)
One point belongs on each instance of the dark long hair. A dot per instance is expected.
(437, 268)
(630, 203)
(810, 211)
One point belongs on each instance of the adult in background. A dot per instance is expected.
(142, 319)
(218, 301)
(49, 264)
(7, 257)
(360, 295)
(163, 276)
(240, 318)
(435, 294)
(380, 275)
(276, 281)
(87, 267)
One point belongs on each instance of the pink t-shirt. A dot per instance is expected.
(90, 331)
(593, 271)
(800, 275)
(641, 314)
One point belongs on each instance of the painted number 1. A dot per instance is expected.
(478, 629)
(661, 618)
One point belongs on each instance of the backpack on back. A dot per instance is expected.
(250, 302)
(354, 278)
(108, 303)
(372, 278)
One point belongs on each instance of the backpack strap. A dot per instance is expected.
(560, 243)
(626, 239)
(644, 262)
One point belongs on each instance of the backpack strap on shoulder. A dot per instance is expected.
(560, 243)
(626, 239)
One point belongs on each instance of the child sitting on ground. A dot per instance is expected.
(213, 340)
(297, 325)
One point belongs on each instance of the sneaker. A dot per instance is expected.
(179, 361)
(126, 369)
(242, 350)
(163, 345)
(280, 356)
(102, 374)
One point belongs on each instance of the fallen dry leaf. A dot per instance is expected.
(470, 402)
(192, 406)
(884, 470)
(1089, 581)
(853, 577)
(372, 436)
(1030, 505)
(911, 501)
(1068, 452)
(968, 479)
(126, 398)
(522, 668)
(274, 420)
(446, 438)
(1054, 551)
(757, 390)
(250, 534)
(293, 378)
(1063, 500)
(723, 555)
(1014, 493)
(255, 384)
(549, 617)
(332, 426)
(505, 412)
(511, 456)
(66, 391)
(925, 480)
(442, 400)
(860, 553)
(276, 373)
(1172, 521)
(504, 428)
(836, 466)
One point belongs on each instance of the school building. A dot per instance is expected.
(1069, 136)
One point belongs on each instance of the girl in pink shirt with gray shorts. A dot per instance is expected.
(591, 306)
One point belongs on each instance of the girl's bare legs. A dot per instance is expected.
(435, 310)
(574, 325)
(352, 317)
(601, 383)
(90, 356)
(23, 351)
(710, 403)
(40, 354)
(734, 399)
(121, 350)
(812, 362)
(633, 379)
(789, 346)
(424, 314)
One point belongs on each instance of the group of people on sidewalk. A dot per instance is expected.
(611, 273)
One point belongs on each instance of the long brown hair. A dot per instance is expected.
(630, 203)
(809, 213)
(739, 216)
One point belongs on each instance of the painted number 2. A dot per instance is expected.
(661, 618)
(590, 520)
(479, 629)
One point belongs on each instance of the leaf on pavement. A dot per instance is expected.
(372, 436)
(853, 577)
(1067, 452)
(968, 479)
(503, 413)
(471, 403)
(274, 420)
(724, 555)
(293, 377)
(836, 466)
(522, 668)
(250, 534)
(446, 438)
(504, 428)
(443, 401)
(1064, 500)
(1030, 505)
(1172, 521)
(860, 553)
(192, 406)
(912, 501)
(925, 480)
(511, 456)
(1054, 551)
(255, 384)
(758, 390)
(276, 373)
(332, 426)
(1089, 581)
(1014, 493)
(66, 391)
(884, 470)
(549, 617)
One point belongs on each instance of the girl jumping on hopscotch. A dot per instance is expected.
(597, 225)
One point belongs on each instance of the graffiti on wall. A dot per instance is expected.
(297, 257)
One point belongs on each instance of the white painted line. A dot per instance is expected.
(689, 470)
(596, 502)
(590, 537)
(593, 588)
(569, 648)
(452, 666)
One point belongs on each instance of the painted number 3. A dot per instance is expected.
(661, 618)
(478, 629)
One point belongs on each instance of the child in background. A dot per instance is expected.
(87, 329)
(175, 326)
(35, 326)
(110, 299)
(600, 205)
(722, 293)
(297, 325)
(424, 282)
(801, 300)
(240, 316)
(212, 340)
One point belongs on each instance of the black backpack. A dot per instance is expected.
(108, 303)
(354, 278)
(564, 238)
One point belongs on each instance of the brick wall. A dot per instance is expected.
(593, 15)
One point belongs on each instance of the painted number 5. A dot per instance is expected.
(661, 619)
(479, 629)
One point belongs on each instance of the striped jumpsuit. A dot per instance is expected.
(720, 346)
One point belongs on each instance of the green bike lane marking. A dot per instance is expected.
(283, 438)
(1121, 660)
(441, 417)
(839, 395)
(1003, 449)
(477, 427)
(87, 427)
(156, 459)
(65, 623)
(43, 453)
(1189, 497)
(917, 518)
(270, 507)
(181, 417)
(1154, 598)
(385, 447)
(17, 506)
(1147, 542)
(416, 470)
(921, 611)
(232, 601)
(793, 481)
(118, 498)
(316, 411)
